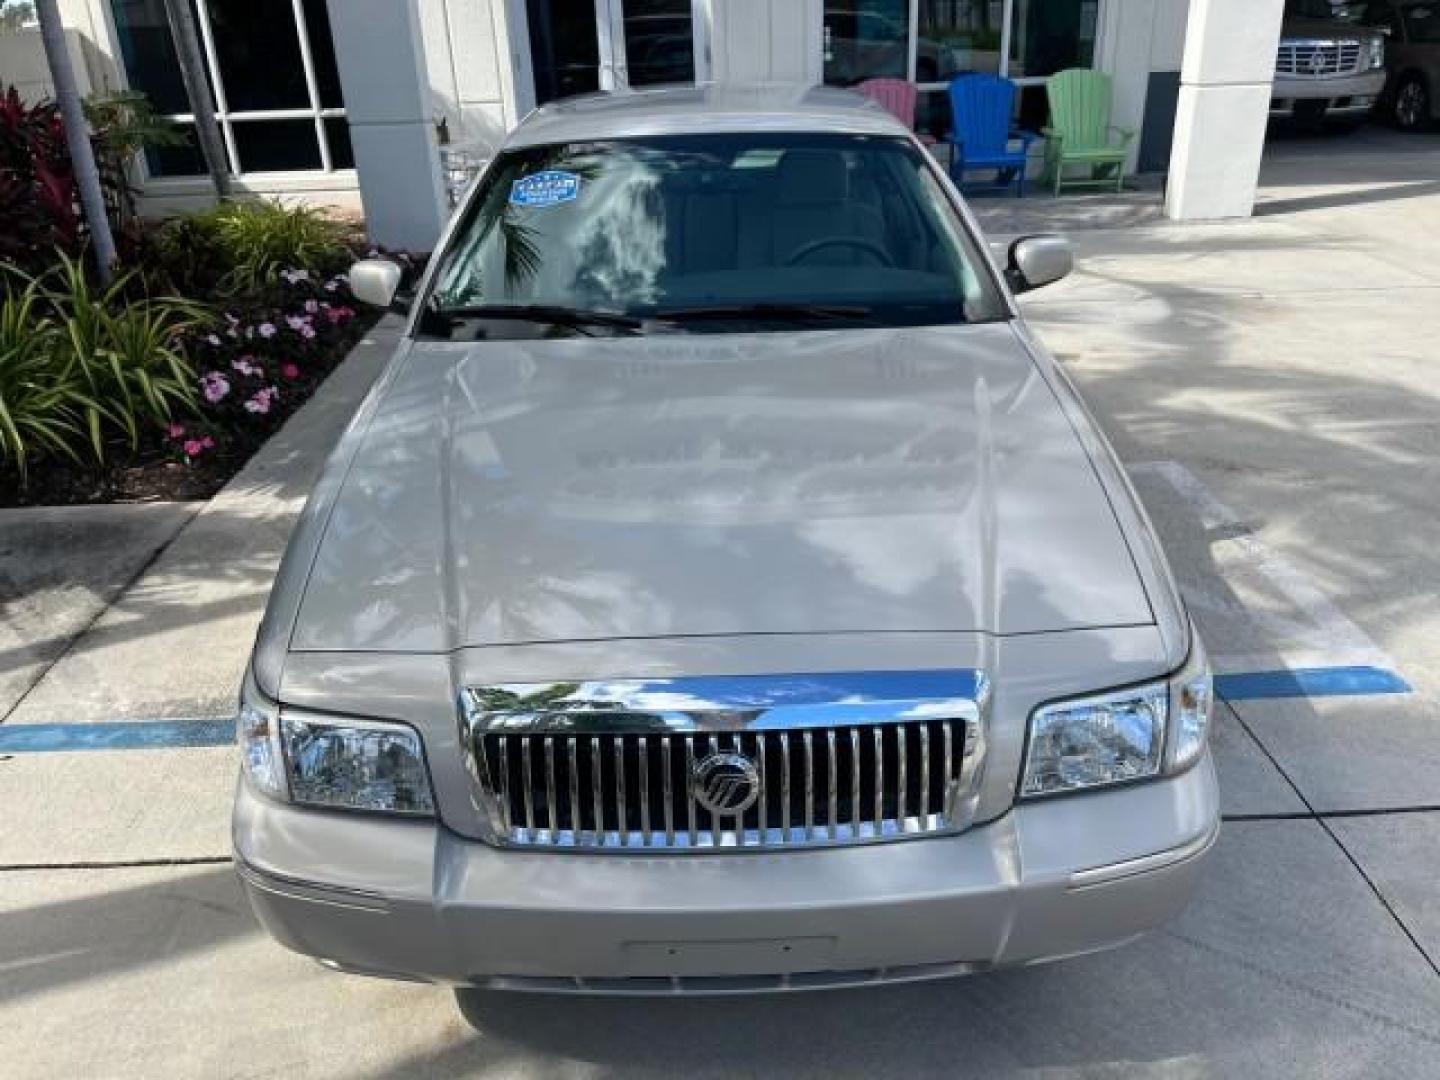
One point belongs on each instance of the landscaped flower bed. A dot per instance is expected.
(217, 327)
(251, 364)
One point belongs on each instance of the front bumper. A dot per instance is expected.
(1351, 95)
(412, 900)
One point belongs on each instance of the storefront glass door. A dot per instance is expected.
(581, 47)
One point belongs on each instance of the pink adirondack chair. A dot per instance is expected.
(896, 96)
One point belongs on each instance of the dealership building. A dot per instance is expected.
(342, 100)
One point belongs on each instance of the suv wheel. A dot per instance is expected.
(1412, 104)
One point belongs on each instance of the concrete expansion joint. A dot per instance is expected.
(120, 864)
(1320, 819)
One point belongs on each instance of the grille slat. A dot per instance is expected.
(833, 785)
(556, 787)
(622, 807)
(552, 819)
(878, 785)
(645, 788)
(666, 772)
(527, 794)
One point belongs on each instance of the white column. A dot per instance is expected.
(1225, 87)
(387, 101)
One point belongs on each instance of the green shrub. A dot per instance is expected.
(39, 409)
(245, 245)
(81, 368)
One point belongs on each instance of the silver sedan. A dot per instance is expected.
(721, 590)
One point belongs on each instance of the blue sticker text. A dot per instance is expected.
(548, 188)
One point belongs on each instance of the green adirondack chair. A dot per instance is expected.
(1080, 133)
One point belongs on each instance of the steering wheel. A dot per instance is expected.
(858, 242)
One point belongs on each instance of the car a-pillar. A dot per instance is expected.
(1225, 87)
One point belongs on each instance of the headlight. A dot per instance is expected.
(341, 764)
(355, 765)
(1113, 738)
(1377, 52)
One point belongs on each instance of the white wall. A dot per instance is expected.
(23, 64)
(1167, 39)
(471, 67)
(765, 40)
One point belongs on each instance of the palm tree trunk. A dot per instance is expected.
(197, 89)
(77, 137)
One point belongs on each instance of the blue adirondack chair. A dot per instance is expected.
(981, 107)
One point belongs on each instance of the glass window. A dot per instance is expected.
(277, 145)
(258, 47)
(659, 41)
(255, 61)
(709, 233)
(149, 54)
(564, 48)
(957, 36)
(1051, 35)
(866, 39)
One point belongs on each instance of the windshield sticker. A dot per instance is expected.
(548, 188)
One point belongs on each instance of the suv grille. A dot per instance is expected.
(844, 784)
(1318, 59)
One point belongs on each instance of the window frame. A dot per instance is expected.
(103, 14)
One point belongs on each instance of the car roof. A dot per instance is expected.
(705, 107)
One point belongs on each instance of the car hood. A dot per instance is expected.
(681, 485)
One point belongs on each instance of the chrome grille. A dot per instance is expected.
(1318, 59)
(836, 785)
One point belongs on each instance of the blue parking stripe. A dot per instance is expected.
(129, 735)
(1309, 682)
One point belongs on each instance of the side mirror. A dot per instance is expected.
(375, 281)
(1038, 260)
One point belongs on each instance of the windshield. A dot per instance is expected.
(1329, 10)
(708, 233)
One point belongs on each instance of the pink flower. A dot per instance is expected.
(194, 447)
(208, 443)
(307, 332)
(295, 322)
(338, 315)
(246, 365)
(311, 307)
(261, 401)
(175, 431)
(267, 330)
(214, 386)
(290, 371)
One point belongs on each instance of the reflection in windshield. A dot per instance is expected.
(768, 231)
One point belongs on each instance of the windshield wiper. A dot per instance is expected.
(577, 318)
(765, 311)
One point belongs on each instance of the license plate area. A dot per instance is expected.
(759, 956)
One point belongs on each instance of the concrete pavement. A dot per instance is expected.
(1269, 383)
